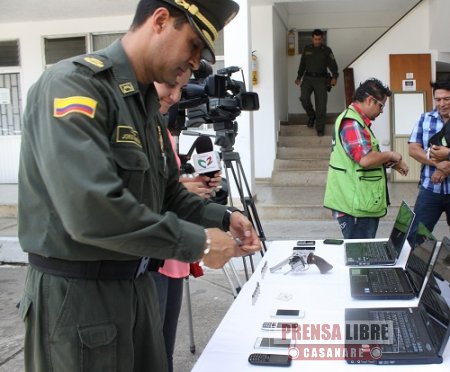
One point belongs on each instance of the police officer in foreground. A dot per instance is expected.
(313, 76)
(99, 195)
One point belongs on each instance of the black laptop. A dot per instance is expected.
(419, 337)
(382, 252)
(384, 283)
(432, 299)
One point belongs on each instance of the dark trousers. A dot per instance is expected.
(358, 228)
(428, 208)
(91, 325)
(318, 86)
(170, 293)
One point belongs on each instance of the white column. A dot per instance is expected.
(238, 53)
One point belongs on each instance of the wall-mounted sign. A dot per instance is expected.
(409, 85)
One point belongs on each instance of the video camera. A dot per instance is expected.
(216, 99)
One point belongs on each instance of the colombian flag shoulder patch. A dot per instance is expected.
(75, 104)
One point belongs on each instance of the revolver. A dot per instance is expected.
(300, 261)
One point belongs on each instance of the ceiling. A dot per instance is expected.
(345, 6)
(32, 10)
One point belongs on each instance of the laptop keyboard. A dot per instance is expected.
(405, 331)
(376, 250)
(385, 281)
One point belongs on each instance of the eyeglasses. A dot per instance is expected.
(380, 104)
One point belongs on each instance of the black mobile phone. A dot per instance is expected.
(306, 242)
(309, 248)
(260, 359)
(287, 313)
(333, 241)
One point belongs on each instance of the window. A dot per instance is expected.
(101, 41)
(10, 104)
(57, 49)
(9, 53)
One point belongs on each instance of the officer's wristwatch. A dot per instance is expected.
(227, 216)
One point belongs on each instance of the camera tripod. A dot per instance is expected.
(232, 162)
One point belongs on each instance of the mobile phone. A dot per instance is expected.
(310, 248)
(278, 326)
(306, 242)
(269, 360)
(333, 241)
(288, 313)
(272, 343)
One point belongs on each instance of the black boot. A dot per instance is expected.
(311, 121)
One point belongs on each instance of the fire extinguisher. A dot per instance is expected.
(254, 68)
(291, 43)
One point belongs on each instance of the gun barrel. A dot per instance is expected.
(279, 265)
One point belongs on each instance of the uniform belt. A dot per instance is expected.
(91, 270)
(316, 74)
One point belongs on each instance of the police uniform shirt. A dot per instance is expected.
(97, 169)
(317, 60)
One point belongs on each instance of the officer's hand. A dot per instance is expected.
(333, 82)
(241, 228)
(223, 247)
(298, 81)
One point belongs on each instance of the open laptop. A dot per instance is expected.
(385, 283)
(382, 252)
(434, 299)
(419, 336)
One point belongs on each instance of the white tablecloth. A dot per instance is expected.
(322, 297)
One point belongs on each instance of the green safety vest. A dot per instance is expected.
(350, 188)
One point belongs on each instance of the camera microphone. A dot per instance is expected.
(206, 161)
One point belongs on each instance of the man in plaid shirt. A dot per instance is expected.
(434, 193)
(356, 188)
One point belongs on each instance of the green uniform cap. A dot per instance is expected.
(207, 17)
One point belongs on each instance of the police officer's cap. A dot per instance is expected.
(207, 17)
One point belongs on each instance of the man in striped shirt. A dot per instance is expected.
(434, 193)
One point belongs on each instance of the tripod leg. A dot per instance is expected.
(247, 201)
(190, 321)
(230, 282)
(235, 273)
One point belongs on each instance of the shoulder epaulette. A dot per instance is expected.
(94, 62)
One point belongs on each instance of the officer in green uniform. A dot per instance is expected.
(312, 76)
(99, 197)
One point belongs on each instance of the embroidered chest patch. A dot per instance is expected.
(127, 134)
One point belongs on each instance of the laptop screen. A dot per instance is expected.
(402, 224)
(438, 308)
(419, 259)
